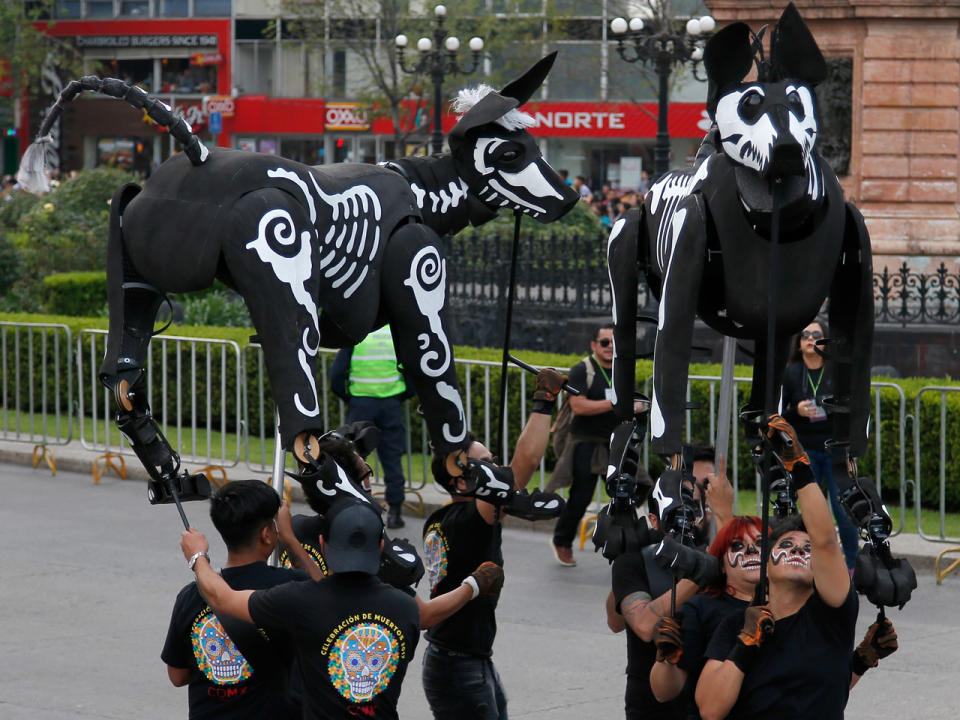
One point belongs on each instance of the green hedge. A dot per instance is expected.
(75, 293)
(195, 390)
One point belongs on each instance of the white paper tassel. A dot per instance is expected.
(32, 174)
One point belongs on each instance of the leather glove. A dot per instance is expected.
(668, 637)
(489, 578)
(887, 583)
(783, 438)
(879, 642)
(549, 384)
(683, 561)
(758, 625)
(537, 505)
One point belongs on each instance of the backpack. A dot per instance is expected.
(561, 426)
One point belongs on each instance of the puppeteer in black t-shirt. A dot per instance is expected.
(700, 616)
(802, 671)
(353, 637)
(456, 539)
(237, 671)
(306, 528)
(635, 572)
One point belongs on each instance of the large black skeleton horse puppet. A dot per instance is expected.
(704, 238)
(321, 255)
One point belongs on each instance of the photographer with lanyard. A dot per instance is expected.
(791, 657)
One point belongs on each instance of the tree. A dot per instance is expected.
(26, 49)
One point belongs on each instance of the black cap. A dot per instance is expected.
(352, 534)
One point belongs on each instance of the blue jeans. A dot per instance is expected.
(387, 415)
(462, 687)
(849, 537)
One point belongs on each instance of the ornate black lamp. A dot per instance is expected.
(664, 42)
(439, 63)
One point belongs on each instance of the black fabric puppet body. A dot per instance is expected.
(321, 255)
(703, 240)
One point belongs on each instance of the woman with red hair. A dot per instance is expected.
(682, 641)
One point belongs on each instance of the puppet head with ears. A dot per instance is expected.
(768, 125)
(496, 156)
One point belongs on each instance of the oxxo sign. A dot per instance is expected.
(345, 116)
(222, 104)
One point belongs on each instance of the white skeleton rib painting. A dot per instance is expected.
(321, 255)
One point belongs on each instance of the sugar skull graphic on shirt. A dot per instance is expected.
(435, 553)
(363, 659)
(217, 656)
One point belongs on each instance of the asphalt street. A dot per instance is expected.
(89, 574)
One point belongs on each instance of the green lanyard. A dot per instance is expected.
(604, 373)
(816, 387)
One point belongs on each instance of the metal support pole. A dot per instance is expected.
(279, 460)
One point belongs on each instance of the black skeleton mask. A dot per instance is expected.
(500, 161)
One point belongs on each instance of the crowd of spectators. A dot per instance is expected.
(609, 203)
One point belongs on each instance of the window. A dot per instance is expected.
(211, 8)
(180, 75)
(138, 8)
(99, 8)
(135, 72)
(68, 9)
(175, 8)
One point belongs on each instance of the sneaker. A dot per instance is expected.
(564, 555)
(394, 520)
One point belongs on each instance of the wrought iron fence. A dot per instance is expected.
(568, 276)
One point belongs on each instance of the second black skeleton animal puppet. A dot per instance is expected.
(704, 239)
(321, 255)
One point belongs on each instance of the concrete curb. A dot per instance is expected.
(919, 552)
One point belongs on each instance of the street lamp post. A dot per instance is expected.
(439, 63)
(663, 42)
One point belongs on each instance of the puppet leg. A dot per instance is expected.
(414, 295)
(678, 307)
(272, 259)
(622, 251)
(133, 307)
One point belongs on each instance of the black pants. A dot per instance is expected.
(581, 493)
(462, 687)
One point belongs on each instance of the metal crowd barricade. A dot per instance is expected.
(935, 429)
(196, 399)
(480, 416)
(36, 382)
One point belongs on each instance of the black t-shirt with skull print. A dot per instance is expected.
(353, 637)
(238, 672)
(456, 539)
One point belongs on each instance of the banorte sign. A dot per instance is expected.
(345, 116)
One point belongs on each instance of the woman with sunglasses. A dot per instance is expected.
(682, 641)
(806, 382)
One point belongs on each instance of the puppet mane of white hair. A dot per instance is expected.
(513, 120)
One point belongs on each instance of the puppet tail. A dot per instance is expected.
(158, 111)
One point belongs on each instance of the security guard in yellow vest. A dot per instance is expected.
(368, 378)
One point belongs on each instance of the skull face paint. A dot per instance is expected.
(363, 660)
(744, 553)
(792, 550)
(217, 657)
